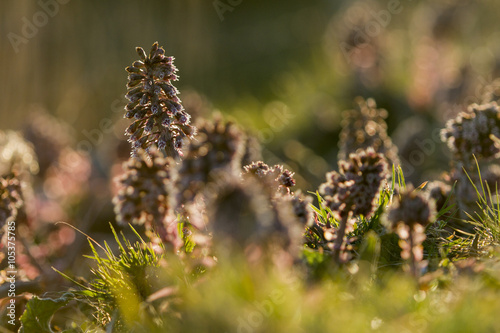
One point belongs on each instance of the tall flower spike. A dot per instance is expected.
(146, 191)
(354, 190)
(470, 133)
(160, 118)
(409, 216)
(356, 187)
(364, 127)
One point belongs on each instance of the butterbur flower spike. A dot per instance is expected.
(474, 133)
(146, 193)
(353, 190)
(160, 118)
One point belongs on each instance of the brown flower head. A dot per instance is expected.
(364, 127)
(357, 185)
(160, 118)
(470, 133)
(146, 190)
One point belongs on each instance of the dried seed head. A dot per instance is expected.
(364, 127)
(470, 133)
(357, 185)
(154, 103)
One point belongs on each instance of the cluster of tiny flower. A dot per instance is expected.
(146, 192)
(355, 187)
(470, 133)
(160, 117)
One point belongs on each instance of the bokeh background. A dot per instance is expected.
(284, 69)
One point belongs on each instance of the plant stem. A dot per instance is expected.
(337, 246)
(413, 264)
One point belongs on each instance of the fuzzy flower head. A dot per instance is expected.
(145, 194)
(471, 132)
(356, 186)
(160, 118)
(275, 177)
(364, 127)
(217, 148)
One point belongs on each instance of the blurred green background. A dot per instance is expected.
(275, 66)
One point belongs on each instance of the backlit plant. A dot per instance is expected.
(353, 190)
(159, 117)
